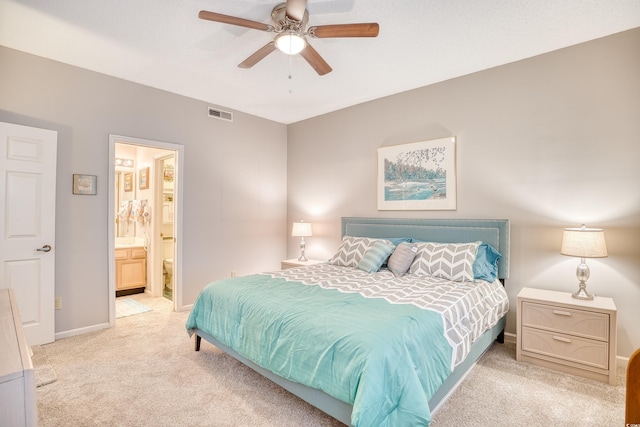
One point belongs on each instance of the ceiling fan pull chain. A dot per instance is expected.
(290, 72)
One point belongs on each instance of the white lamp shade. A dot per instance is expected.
(290, 43)
(584, 242)
(301, 229)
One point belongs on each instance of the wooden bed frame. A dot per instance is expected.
(492, 231)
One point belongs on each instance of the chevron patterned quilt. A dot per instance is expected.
(467, 309)
(381, 343)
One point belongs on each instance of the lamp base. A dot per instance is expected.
(302, 245)
(582, 293)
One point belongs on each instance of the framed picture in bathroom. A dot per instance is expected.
(143, 178)
(128, 181)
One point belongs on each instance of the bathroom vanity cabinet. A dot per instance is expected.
(131, 268)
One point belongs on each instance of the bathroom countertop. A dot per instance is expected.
(128, 245)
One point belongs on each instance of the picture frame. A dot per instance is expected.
(418, 176)
(85, 184)
(143, 178)
(128, 181)
(168, 173)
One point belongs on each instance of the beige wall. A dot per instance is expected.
(234, 177)
(548, 142)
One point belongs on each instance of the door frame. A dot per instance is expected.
(178, 149)
(158, 244)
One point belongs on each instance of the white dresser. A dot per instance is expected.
(17, 383)
(571, 335)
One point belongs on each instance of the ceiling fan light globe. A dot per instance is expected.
(290, 43)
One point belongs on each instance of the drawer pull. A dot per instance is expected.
(561, 313)
(563, 339)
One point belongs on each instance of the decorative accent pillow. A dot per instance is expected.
(401, 259)
(485, 267)
(375, 256)
(451, 261)
(351, 250)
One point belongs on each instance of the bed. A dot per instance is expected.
(369, 344)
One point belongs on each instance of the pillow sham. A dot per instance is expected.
(485, 267)
(401, 258)
(375, 256)
(451, 261)
(351, 250)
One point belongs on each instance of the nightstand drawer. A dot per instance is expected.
(576, 322)
(566, 347)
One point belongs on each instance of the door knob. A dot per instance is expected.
(45, 248)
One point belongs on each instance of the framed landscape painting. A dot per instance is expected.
(418, 176)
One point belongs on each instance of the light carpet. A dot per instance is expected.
(43, 372)
(144, 372)
(129, 307)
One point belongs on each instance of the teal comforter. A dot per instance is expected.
(385, 359)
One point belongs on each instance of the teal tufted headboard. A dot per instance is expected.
(492, 231)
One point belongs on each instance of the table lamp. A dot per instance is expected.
(583, 242)
(301, 229)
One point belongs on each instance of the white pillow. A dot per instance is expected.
(451, 261)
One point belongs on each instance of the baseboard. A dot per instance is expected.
(187, 307)
(509, 337)
(80, 331)
(622, 362)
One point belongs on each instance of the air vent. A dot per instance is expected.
(219, 114)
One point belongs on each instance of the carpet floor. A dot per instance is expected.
(144, 372)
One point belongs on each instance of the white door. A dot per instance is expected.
(27, 225)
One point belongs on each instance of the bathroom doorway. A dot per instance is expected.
(145, 220)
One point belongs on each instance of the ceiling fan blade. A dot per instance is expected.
(315, 60)
(258, 55)
(345, 30)
(296, 8)
(233, 20)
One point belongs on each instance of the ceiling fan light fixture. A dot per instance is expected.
(290, 42)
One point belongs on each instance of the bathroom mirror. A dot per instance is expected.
(125, 191)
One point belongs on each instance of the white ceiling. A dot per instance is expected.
(163, 44)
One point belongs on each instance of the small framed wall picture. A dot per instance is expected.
(128, 181)
(143, 179)
(85, 184)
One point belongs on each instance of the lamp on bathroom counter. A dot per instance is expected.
(583, 242)
(302, 229)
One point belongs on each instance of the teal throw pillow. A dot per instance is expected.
(485, 266)
(375, 256)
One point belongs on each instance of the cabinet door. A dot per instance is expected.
(132, 274)
(131, 271)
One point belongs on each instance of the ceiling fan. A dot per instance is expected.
(289, 23)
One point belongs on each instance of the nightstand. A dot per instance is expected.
(567, 334)
(291, 263)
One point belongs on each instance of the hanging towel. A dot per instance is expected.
(124, 212)
(135, 209)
